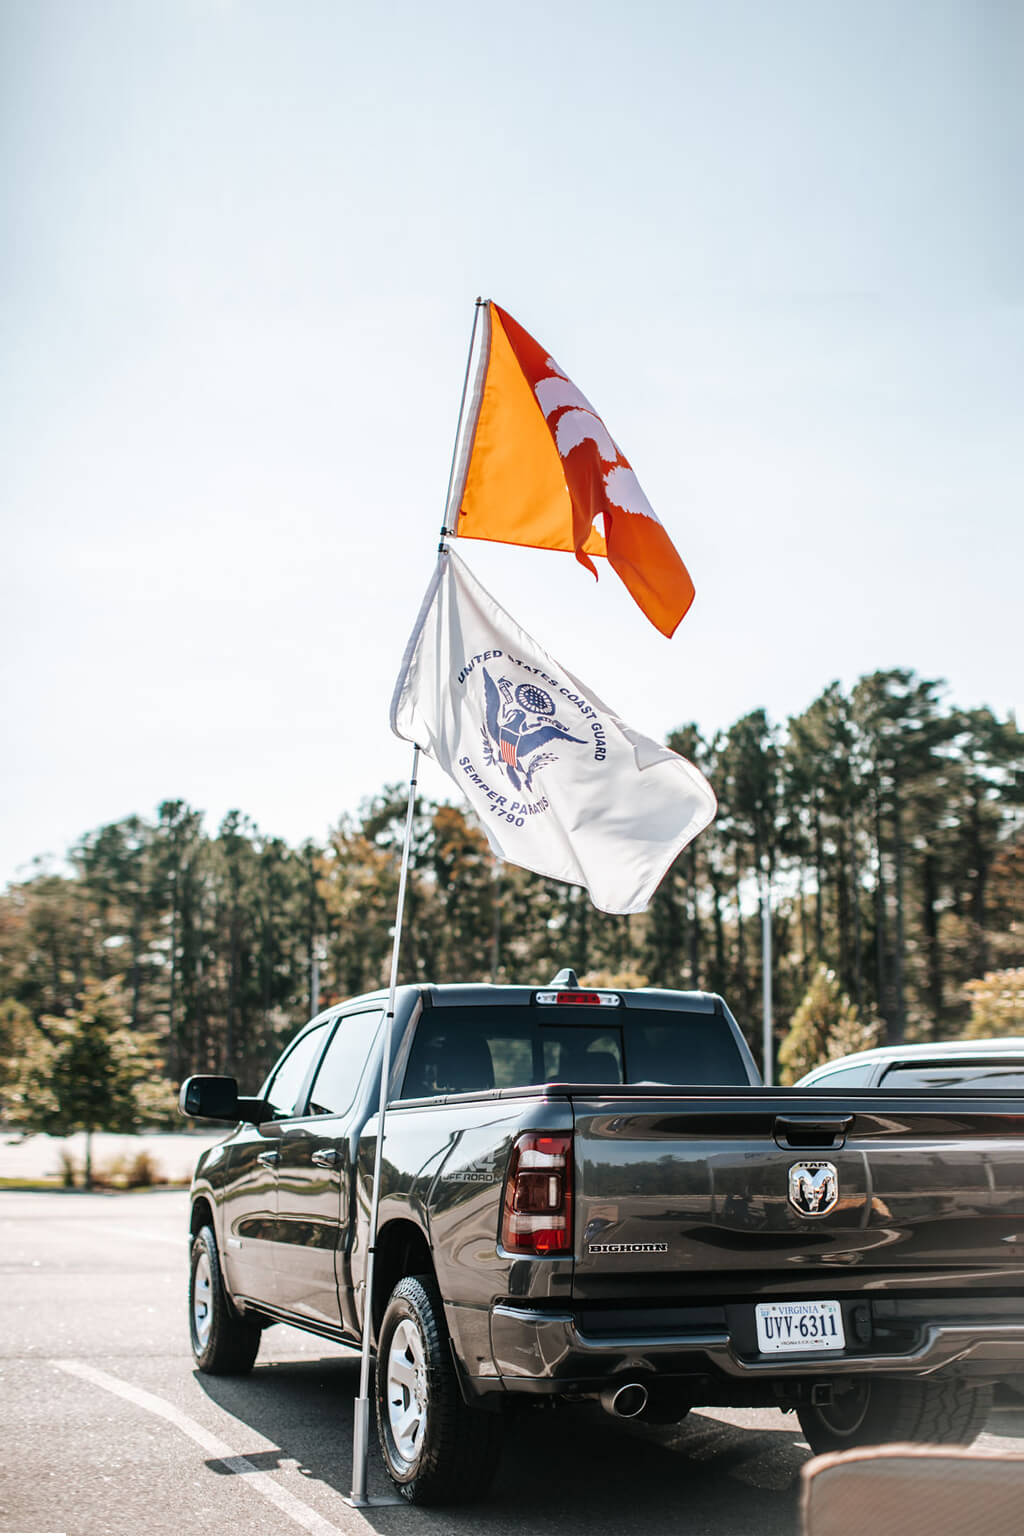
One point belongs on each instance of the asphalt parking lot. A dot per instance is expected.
(109, 1431)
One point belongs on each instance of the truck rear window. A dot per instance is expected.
(470, 1050)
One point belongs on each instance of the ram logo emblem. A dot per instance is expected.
(813, 1188)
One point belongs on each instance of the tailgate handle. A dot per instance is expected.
(800, 1131)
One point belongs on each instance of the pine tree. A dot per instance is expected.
(824, 1027)
(89, 1072)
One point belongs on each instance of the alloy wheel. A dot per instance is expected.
(202, 1301)
(407, 1390)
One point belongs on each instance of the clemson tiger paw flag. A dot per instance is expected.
(560, 785)
(542, 466)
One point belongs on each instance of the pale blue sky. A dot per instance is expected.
(779, 247)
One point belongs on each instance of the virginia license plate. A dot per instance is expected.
(787, 1326)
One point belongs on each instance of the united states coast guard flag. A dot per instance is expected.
(560, 784)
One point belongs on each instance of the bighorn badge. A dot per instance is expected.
(813, 1188)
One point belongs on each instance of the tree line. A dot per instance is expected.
(883, 825)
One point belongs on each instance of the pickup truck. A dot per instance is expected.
(588, 1195)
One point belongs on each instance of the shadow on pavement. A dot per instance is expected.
(566, 1470)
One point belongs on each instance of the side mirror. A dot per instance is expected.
(216, 1098)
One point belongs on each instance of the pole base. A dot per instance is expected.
(359, 1498)
(374, 1501)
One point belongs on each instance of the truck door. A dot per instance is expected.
(250, 1206)
(314, 1175)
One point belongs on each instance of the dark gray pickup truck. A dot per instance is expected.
(589, 1195)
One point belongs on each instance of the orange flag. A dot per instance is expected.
(543, 465)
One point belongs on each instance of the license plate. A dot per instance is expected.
(783, 1327)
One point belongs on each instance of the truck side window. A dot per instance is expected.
(338, 1074)
(285, 1093)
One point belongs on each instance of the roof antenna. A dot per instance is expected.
(567, 979)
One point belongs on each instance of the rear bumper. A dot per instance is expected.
(552, 1352)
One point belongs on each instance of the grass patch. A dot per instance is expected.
(47, 1186)
(37, 1184)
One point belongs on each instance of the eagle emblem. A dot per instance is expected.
(813, 1188)
(519, 723)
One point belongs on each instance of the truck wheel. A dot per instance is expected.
(436, 1449)
(880, 1412)
(224, 1341)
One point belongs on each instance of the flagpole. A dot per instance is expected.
(448, 532)
(359, 1498)
(361, 1422)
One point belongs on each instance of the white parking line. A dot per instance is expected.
(303, 1514)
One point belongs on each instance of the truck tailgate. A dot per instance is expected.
(681, 1195)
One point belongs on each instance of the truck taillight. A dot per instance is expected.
(537, 1217)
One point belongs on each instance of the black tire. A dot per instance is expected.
(224, 1341)
(879, 1412)
(448, 1452)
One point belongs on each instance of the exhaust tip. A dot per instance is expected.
(625, 1402)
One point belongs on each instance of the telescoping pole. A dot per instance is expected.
(361, 1425)
(361, 1422)
(460, 461)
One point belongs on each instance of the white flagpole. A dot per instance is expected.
(361, 1425)
(361, 1421)
(462, 461)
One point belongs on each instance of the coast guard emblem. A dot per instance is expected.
(813, 1188)
(518, 724)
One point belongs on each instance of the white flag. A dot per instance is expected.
(560, 785)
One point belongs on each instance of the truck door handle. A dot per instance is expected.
(268, 1159)
(797, 1132)
(330, 1157)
